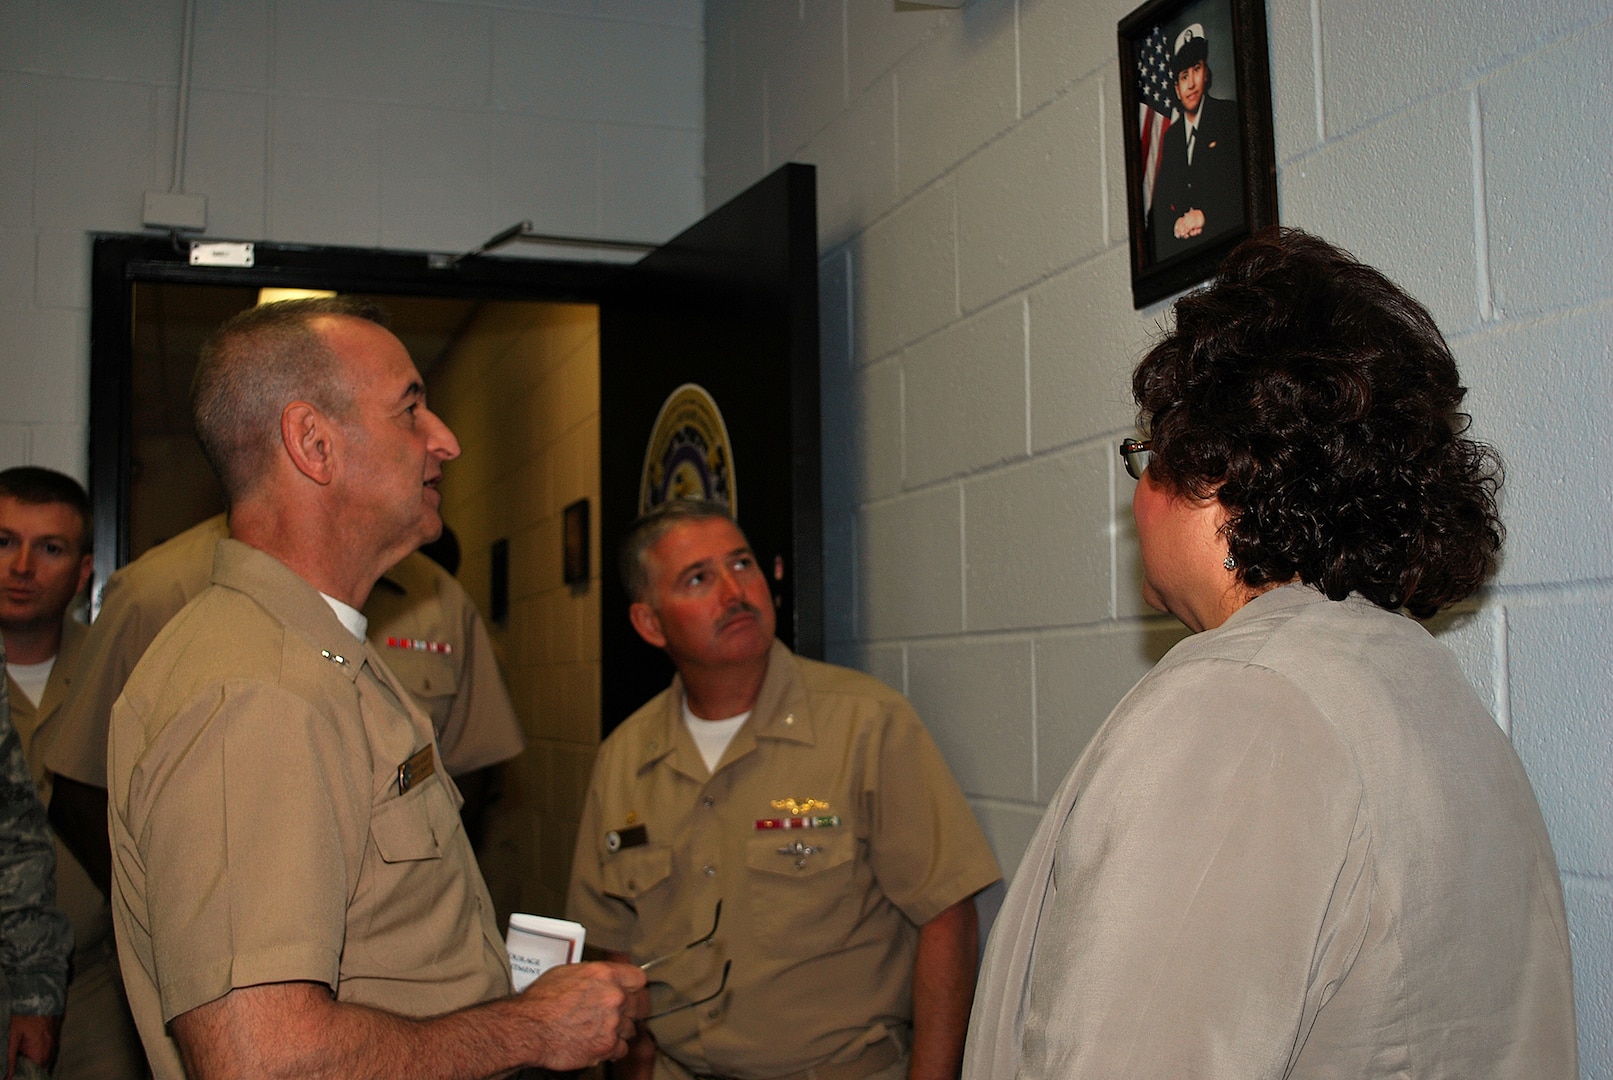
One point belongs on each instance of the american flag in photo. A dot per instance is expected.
(1156, 105)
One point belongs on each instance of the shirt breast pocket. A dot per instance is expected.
(633, 873)
(430, 677)
(407, 914)
(408, 830)
(804, 897)
(640, 878)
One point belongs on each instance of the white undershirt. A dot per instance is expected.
(351, 617)
(712, 736)
(31, 678)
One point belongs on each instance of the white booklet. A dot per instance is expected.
(537, 943)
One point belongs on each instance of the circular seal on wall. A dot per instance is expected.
(689, 456)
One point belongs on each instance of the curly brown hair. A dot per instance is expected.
(1319, 404)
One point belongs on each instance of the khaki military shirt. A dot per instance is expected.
(35, 724)
(98, 1037)
(433, 638)
(821, 923)
(259, 833)
(136, 603)
(460, 685)
(76, 894)
(35, 937)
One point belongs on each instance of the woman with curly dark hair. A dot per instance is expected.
(1300, 846)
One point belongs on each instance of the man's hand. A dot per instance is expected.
(574, 1016)
(35, 1038)
(639, 1061)
(1189, 224)
(584, 1013)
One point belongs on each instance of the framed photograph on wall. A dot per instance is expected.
(574, 543)
(1195, 90)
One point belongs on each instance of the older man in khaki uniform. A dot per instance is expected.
(44, 564)
(294, 893)
(420, 619)
(811, 802)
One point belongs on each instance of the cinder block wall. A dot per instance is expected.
(978, 333)
(425, 124)
(530, 450)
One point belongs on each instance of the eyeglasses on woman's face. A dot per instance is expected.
(1136, 454)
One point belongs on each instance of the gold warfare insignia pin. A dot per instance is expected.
(799, 809)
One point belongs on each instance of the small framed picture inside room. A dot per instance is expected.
(1195, 91)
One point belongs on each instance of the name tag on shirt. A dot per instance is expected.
(419, 766)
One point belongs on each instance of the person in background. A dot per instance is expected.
(36, 940)
(44, 565)
(434, 640)
(1300, 846)
(294, 894)
(812, 803)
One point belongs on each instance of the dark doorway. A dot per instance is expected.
(129, 270)
(731, 303)
(171, 485)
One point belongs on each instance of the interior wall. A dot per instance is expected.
(978, 333)
(529, 450)
(416, 124)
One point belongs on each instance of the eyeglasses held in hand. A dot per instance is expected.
(716, 917)
(1136, 453)
(721, 986)
(705, 939)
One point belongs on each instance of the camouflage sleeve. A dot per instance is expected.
(36, 939)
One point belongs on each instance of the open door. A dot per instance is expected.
(121, 263)
(709, 376)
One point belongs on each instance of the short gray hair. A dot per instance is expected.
(655, 524)
(255, 365)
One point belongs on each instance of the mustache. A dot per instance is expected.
(740, 609)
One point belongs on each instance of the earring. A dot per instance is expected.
(1230, 562)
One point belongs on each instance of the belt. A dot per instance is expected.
(882, 1055)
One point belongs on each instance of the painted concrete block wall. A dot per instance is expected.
(418, 124)
(978, 333)
(521, 391)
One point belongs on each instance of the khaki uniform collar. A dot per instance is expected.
(61, 678)
(61, 673)
(780, 713)
(295, 603)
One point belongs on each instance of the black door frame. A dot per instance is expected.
(121, 260)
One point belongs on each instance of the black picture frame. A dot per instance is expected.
(574, 542)
(498, 593)
(1232, 34)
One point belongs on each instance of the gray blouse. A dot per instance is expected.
(1299, 847)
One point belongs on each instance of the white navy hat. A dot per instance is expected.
(1190, 49)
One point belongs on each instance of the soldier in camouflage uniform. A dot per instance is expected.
(35, 937)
